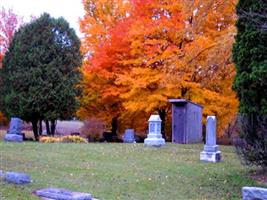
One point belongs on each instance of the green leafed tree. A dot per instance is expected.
(250, 57)
(40, 73)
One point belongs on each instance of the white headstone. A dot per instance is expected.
(154, 137)
(211, 151)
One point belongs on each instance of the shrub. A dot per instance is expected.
(46, 139)
(229, 133)
(251, 145)
(74, 139)
(93, 129)
(66, 139)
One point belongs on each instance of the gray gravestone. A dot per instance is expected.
(62, 194)
(14, 134)
(211, 151)
(128, 136)
(254, 193)
(17, 178)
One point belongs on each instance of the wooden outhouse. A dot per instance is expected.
(186, 121)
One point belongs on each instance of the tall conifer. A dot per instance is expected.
(250, 57)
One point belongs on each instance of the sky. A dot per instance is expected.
(71, 10)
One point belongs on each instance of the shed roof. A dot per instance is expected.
(183, 101)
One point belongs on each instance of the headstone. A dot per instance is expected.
(17, 178)
(154, 137)
(254, 193)
(128, 136)
(14, 133)
(62, 194)
(211, 151)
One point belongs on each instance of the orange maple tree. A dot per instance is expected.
(100, 16)
(211, 30)
(194, 63)
(102, 47)
(165, 49)
(155, 36)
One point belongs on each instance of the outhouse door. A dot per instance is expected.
(179, 124)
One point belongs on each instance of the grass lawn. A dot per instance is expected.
(123, 171)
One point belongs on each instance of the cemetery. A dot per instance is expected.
(110, 171)
(163, 169)
(146, 100)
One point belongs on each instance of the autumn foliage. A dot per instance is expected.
(9, 23)
(148, 51)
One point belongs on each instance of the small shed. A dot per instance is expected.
(186, 121)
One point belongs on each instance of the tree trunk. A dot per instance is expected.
(162, 114)
(114, 126)
(53, 127)
(40, 127)
(35, 129)
(184, 91)
(48, 132)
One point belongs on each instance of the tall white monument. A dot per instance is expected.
(211, 151)
(154, 137)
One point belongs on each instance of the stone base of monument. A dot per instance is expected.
(13, 138)
(210, 156)
(154, 140)
(59, 193)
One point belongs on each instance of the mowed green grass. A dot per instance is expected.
(123, 171)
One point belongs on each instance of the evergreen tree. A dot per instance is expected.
(250, 57)
(40, 72)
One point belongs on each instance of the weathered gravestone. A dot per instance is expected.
(62, 194)
(128, 136)
(14, 133)
(254, 193)
(154, 137)
(211, 151)
(17, 178)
